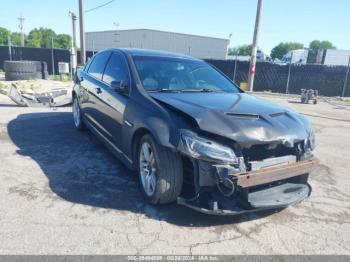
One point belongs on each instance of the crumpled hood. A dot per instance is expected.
(241, 117)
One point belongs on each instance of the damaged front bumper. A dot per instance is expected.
(267, 188)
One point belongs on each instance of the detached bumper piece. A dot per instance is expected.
(54, 98)
(268, 188)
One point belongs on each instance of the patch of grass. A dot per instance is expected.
(2, 86)
(28, 85)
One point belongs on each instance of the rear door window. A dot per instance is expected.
(98, 64)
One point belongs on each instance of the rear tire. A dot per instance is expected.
(77, 115)
(162, 169)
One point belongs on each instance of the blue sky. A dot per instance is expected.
(282, 20)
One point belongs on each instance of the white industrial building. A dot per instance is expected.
(197, 46)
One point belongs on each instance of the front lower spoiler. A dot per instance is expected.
(232, 206)
(268, 189)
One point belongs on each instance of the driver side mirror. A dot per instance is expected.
(120, 86)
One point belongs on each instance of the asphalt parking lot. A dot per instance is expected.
(62, 192)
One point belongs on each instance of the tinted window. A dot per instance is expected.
(181, 75)
(98, 64)
(116, 69)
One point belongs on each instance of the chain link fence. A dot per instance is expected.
(51, 56)
(328, 80)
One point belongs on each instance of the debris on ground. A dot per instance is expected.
(37, 92)
(307, 95)
(53, 98)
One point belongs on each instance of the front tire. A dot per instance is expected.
(160, 172)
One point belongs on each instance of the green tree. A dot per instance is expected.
(63, 41)
(4, 33)
(16, 38)
(40, 37)
(316, 44)
(34, 38)
(241, 50)
(282, 48)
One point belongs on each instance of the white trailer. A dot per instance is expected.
(336, 57)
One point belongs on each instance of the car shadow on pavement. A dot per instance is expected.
(81, 170)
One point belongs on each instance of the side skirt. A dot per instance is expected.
(114, 149)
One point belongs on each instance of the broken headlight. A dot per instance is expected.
(309, 143)
(205, 149)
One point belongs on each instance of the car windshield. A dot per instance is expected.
(164, 74)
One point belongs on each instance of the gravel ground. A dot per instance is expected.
(62, 192)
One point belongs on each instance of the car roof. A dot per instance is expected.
(150, 52)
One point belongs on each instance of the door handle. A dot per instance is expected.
(98, 90)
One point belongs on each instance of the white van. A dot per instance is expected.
(298, 56)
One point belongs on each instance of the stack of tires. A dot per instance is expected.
(25, 70)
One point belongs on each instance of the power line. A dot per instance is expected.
(97, 7)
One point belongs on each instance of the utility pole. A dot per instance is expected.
(116, 34)
(10, 47)
(229, 44)
(289, 70)
(346, 78)
(82, 33)
(52, 56)
(255, 46)
(74, 44)
(20, 26)
(235, 70)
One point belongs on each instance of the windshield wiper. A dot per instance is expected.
(202, 90)
(164, 90)
(168, 90)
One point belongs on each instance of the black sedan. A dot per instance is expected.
(193, 136)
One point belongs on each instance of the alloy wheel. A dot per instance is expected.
(76, 112)
(148, 169)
